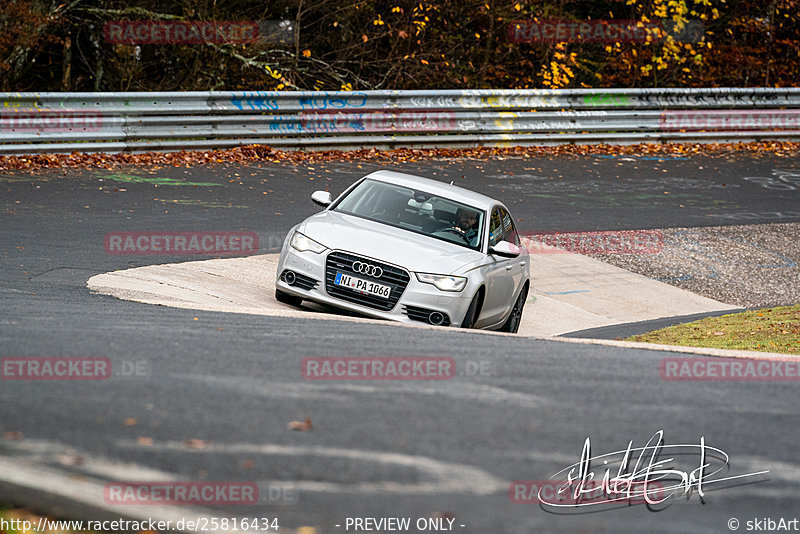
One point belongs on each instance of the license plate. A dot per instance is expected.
(362, 286)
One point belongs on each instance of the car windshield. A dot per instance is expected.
(416, 211)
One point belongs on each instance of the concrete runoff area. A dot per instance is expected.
(569, 292)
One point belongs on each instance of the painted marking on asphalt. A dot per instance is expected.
(440, 477)
(130, 178)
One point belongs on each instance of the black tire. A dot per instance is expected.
(515, 317)
(286, 298)
(472, 311)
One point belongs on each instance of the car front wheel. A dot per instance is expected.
(472, 312)
(514, 319)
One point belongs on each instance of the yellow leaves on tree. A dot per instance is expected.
(559, 72)
(669, 47)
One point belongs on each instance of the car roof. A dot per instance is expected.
(442, 189)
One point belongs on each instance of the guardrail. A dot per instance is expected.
(139, 122)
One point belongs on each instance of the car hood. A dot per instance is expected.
(379, 241)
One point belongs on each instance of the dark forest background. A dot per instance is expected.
(373, 44)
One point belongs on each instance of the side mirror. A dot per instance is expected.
(322, 198)
(505, 249)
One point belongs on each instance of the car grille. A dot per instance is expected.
(302, 281)
(392, 276)
(416, 313)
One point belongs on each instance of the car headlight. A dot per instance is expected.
(303, 243)
(444, 282)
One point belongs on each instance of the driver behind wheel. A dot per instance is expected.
(466, 220)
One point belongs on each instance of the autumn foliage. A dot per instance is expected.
(393, 44)
(259, 154)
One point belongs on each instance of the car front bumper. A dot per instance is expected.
(415, 304)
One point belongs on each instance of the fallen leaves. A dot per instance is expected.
(263, 153)
(194, 444)
(301, 426)
(70, 459)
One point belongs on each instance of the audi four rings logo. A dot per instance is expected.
(365, 268)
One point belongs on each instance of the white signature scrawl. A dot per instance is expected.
(640, 474)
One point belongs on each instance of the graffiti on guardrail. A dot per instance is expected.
(410, 121)
(333, 101)
(606, 99)
(533, 99)
(19, 103)
(486, 117)
(518, 101)
(714, 99)
(273, 101)
(477, 100)
(581, 113)
(316, 122)
(256, 101)
(436, 102)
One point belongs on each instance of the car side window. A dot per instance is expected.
(495, 227)
(509, 230)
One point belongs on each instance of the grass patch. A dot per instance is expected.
(768, 329)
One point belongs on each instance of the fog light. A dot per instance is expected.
(436, 318)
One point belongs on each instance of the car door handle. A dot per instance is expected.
(523, 263)
(508, 267)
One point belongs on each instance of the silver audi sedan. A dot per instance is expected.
(406, 248)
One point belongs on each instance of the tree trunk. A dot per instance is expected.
(67, 72)
(297, 36)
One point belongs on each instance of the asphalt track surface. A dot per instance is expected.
(377, 449)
